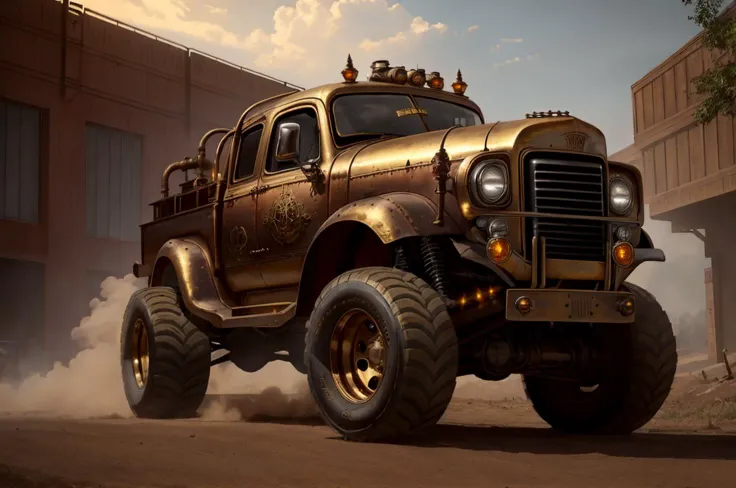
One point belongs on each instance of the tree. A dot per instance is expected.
(718, 84)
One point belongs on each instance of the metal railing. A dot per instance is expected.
(79, 9)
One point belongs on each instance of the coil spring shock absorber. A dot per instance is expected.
(434, 266)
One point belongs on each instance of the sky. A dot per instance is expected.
(517, 56)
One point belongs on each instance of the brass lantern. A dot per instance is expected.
(459, 86)
(350, 74)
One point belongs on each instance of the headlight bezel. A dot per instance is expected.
(474, 183)
(632, 196)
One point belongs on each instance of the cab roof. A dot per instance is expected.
(326, 93)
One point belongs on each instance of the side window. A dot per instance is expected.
(248, 153)
(309, 147)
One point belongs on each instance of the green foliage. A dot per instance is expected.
(718, 84)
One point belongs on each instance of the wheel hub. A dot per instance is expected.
(139, 353)
(357, 356)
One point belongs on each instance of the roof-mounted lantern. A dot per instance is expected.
(350, 74)
(417, 77)
(459, 86)
(435, 81)
(382, 71)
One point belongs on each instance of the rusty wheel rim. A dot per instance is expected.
(139, 353)
(357, 356)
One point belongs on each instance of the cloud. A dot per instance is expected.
(310, 34)
(216, 10)
(516, 60)
(473, 28)
(420, 26)
(164, 15)
(511, 40)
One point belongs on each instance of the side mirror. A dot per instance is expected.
(287, 145)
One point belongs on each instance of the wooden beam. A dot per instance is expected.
(705, 188)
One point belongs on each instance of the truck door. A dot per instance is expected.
(239, 210)
(290, 211)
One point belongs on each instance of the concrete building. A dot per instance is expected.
(91, 112)
(689, 174)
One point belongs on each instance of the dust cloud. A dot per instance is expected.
(90, 385)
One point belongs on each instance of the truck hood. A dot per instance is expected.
(509, 137)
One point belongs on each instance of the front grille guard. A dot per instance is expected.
(566, 185)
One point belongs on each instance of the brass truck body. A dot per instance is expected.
(249, 249)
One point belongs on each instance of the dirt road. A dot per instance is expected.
(132, 453)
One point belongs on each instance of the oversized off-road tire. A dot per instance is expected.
(381, 354)
(165, 358)
(637, 371)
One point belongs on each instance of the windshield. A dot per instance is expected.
(365, 116)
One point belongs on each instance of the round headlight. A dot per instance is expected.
(489, 182)
(622, 196)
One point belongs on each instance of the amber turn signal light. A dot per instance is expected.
(626, 307)
(623, 254)
(499, 250)
(523, 305)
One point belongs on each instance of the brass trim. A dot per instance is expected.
(560, 269)
(517, 267)
(535, 262)
(543, 259)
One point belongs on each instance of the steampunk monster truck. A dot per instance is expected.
(385, 239)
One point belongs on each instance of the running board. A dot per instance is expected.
(202, 295)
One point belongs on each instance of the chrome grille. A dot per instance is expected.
(572, 187)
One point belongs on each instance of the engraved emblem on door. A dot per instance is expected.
(238, 239)
(287, 219)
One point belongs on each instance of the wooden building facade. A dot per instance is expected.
(689, 172)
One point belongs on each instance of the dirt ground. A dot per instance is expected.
(488, 443)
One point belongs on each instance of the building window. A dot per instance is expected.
(113, 183)
(20, 141)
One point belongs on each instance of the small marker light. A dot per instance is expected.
(499, 250)
(523, 305)
(623, 254)
(623, 233)
(478, 295)
(626, 307)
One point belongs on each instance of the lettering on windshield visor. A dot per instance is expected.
(411, 111)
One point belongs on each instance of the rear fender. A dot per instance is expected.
(191, 261)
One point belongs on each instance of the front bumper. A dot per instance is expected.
(557, 305)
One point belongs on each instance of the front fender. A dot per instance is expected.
(385, 219)
(394, 216)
